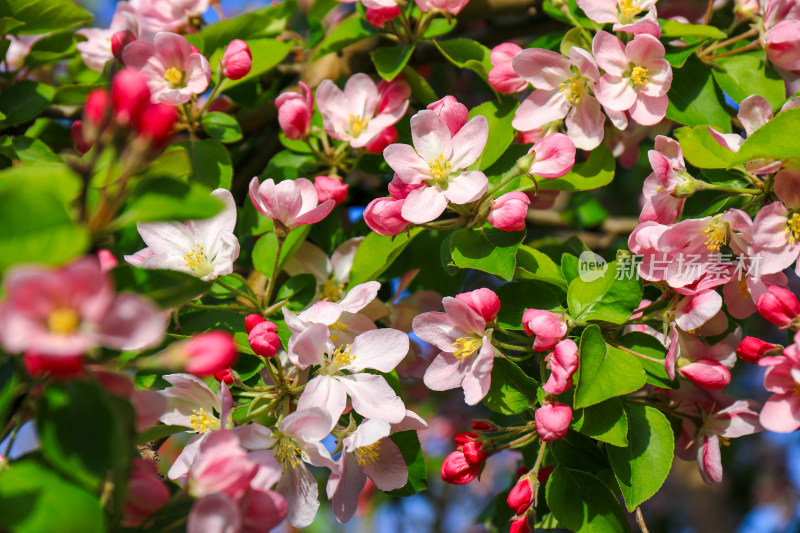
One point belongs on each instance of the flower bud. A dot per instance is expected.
(393, 95)
(96, 111)
(483, 425)
(383, 216)
(224, 376)
(521, 496)
(209, 352)
(76, 132)
(452, 112)
(508, 211)
(237, 60)
(107, 260)
(388, 136)
(146, 493)
(465, 437)
(520, 525)
(707, 373)
(563, 364)
(264, 340)
(473, 451)
(400, 189)
(751, 349)
(502, 77)
(552, 421)
(63, 367)
(157, 124)
(119, 41)
(457, 470)
(378, 17)
(483, 301)
(295, 112)
(548, 327)
(251, 321)
(778, 305)
(783, 46)
(129, 96)
(330, 188)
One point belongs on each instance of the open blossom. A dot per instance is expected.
(174, 71)
(453, 7)
(502, 77)
(438, 161)
(332, 274)
(290, 203)
(706, 365)
(662, 190)
(70, 310)
(781, 412)
(355, 115)
(203, 248)
(466, 358)
(636, 78)
(775, 232)
(295, 111)
(632, 16)
(564, 88)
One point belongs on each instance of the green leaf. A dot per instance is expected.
(267, 54)
(518, 296)
(776, 139)
(605, 421)
(701, 149)
(439, 26)
(649, 346)
(160, 199)
(408, 442)
(44, 16)
(252, 25)
(51, 49)
(512, 391)
(578, 452)
(34, 499)
(584, 504)
(299, 290)
(677, 55)
(211, 163)
(167, 288)
(499, 117)
(607, 298)
(673, 28)
(466, 53)
(743, 75)
(604, 371)
(573, 39)
(350, 30)
(24, 101)
(8, 25)
(267, 246)
(222, 127)
(8, 382)
(533, 264)
(30, 150)
(420, 87)
(488, 249)
(595, 172)
(643, 466)
(694, 99)
(376, 253)
(390, 60)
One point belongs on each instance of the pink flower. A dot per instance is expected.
(119, 41)
(483, 301)
(508, 211)
(438, 160)
(393, 96)
(202, 248)
(752, 349)
(451, 111)
(665, 188)
(130, 96)
(466, 358)
(553, 156)
(378, 17)
(355, 115)
(563, 89)
(61, 367)
(332, 273)
(779, 306)
(741, 295)
(68, 311)
(521, 496)
(174, 72)
(449, 6)
(237, 60)
(221, 467)
(456, 469)
(146, 493)
(263, 339)
(384, 216)
(782, 45)
(781, 412)
(209, 352)
(552, 420)
(563, 364)
(636, 79)
(502, 77)
(290, 203)
(330, 188)
(96, 50)
(626, 15)
(706, 365)
(548, 327)
(295, 112)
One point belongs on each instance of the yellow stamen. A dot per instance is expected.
(198, 261)
(629, 8)
(575, 89)
(368, 455)
(440, 168)
(358, 125)
(793, 227)
(174, 76)
(333, 290)
(466, 346)
(796, 389)
(336, 328)
(725, 441)
(639, 76)
(63, 321)
(716, 234)
(342, 356)
(287, 453)
(201, 422)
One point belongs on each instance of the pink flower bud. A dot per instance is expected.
(563, 364)
(508, 211)
(552, 420)
(450, 6)
(62, 367)
(388, 136)
(209, 352)
(473, 451)
(237, 60)
(251, 321)
(451, 111)
(783, 45)
(96, 110)
(157, 124)
(263, 339)
(76, 132)
(707, 373)
(483, 301)
(383, 217)
(520, 525)
(481, 425)
(457, 470)
(393, 95)
(378, 17)
(129, 96)
(531, 136)
(548, 327)
(295, 112)
(465, 437)
(752, 349)
(521, 496)
(503, 78)
(146, 493)
(119, 41)
(399, 189)
(331, 188)
(778, 305)
(224, 376)
(107, 260)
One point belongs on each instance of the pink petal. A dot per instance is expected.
(326, 393)
(431, 136)
(345, 486)
(781, 413)
(754, 112)
(649, 110)
(644, 49)
(615, 93)
(389, 471)
(709, 460)
(466, 187)
(445, 372)
(585, 124)
(469, 142)
(610, 54)
(308, 347)
(555, 156)
(540, 108)
(372, 397)
(542, 68)
(601, 11)
(379, 349)
(423, 205)
(409, 166)
(299, 487)
(214, 513)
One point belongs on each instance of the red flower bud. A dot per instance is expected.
(483, 301)
(378, 17)
(119, 41)
(521, 496)
(264, 340)
(482, 425)
(388, 136)
(224, 375)
(129, 96)
(707, 373)
(57, 366)
(96, 109)
(778, 305)
(457, 470)
(520, 525)
(237, 60)
(474, 453)
(209, 352)
(752, 349)
(251, 321)
(463, 438)
(76, 131)
(157, 124)
(544, 474)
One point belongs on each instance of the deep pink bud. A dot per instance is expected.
(503, 78)
(76, 132)
(520, 525)
(481, 425)
(146, 493)
(56, 366)
(751, 349)
(508, 211)
(378, 17)
(157, 124)
(473, 451)
(209, 352)
(383, 216)
(237, 60)
(251, 321)
(295, 112)
(457, 470)
(96, 110)
(129, 96)
(263, 339)
(483, 301)
(707, 373)
(393, 95)
(224, 375)
(451, 111)
(563, 364)
(400, 189)
(778, 305)
(548, 327)
(119, 41)
(388, 136)
(521, 496)
(552, 420)
(330, 188)
(465, 437)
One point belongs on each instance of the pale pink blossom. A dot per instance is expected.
(508, 211)
(72, 309)
(782, 45)
(502, 76)
(203, 248)
(781, 412)
(163, 15)
(145, 495)
(563, 363)
(332, 273)
(439, 160)
(453, 7)
(483, 301)
(221, 467)
(775, 232)
(663, 190)
(96, 50)
(553, 156)
(632, 16)
(552, 420)
(549, 328)
(295, 112)
(174, 72)
(290, 203)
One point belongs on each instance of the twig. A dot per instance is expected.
(640, 520)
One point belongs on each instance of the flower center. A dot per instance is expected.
(174, 77)
(201, 421)
(575, 89)
(629, 8)
(639, 76)
(198, 262)
(796, 389)
(716, 235)
(440, 168)
(333, 290)
(336, 328)
(742, 286)
(288, 453)
(793, 227)
(342, 356)
(368, 455)
(63, 321)
(466, 346)
(358, 125)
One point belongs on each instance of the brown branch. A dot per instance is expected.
(640, 520)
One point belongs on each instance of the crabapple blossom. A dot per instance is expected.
(665, 190)
(552, 420)
(521, 496)
(779, 306)
(130, 96)
(295, 112)
(563, 363)
(332, 274)
(263, 338)
(632, 16)
(237, 60)
(483, 301)
(781, 412)
(208, 352)
(290, 203)
(63, 367)
(97, 49)
(379, 16)
(502, 76)
(549, 328)
(508, 211)
(384, 216)
(553, 156)
(448, 6)
(451, 111)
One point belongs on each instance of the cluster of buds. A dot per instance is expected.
(466, 462)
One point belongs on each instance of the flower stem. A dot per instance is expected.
(723, 188)
(726, 42)
(274, 274)
(751, 46)
(236, 291)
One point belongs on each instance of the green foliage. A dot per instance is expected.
(160, 199)
(694, 99)
(609, 298)
(166, 287)
(583, 503)
(512, 391)
(390, 61)
(466, 53)
(23, 101)
(488, 249)
(42, 16)
(744, 75)
(499, 116)
(605, 421)
(408, 443)
(595, 172)
(376, 253)
(775, 139)
(222, 127)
